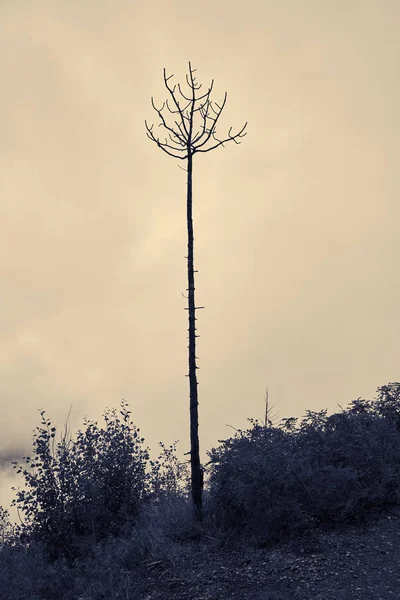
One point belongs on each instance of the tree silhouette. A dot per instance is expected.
(184, 143)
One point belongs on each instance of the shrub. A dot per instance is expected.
(270, 481)
(251, 484)
(81, 492)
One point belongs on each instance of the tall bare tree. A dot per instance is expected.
(183, 143)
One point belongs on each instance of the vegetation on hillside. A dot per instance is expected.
(94, 507)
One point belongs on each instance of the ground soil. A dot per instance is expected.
(355, 562)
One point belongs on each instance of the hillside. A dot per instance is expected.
(359, 562)
(303, 514)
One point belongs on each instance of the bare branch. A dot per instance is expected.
(194, 139)
(200, 108)
(153, 105)
(181, 138)
(220, 108)
(200, 97)
(213, 128)
(204, 114)
(179, 127)
(174, 141)
(174, 112)
(173, 155)
(162, 146)
(192, 85)
(175, 100)
(151, 136)
(221, 143)
(193, 102)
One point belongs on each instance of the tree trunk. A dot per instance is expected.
(194, 415)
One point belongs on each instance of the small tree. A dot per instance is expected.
(185, 142)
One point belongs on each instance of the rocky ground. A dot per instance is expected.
(357, 562)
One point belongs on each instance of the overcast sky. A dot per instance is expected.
(296, 229)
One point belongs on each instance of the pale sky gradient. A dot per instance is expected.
(296, 229)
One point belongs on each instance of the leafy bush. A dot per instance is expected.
(267, 481)
(81, 492)
(360, 457)
(251, 488)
